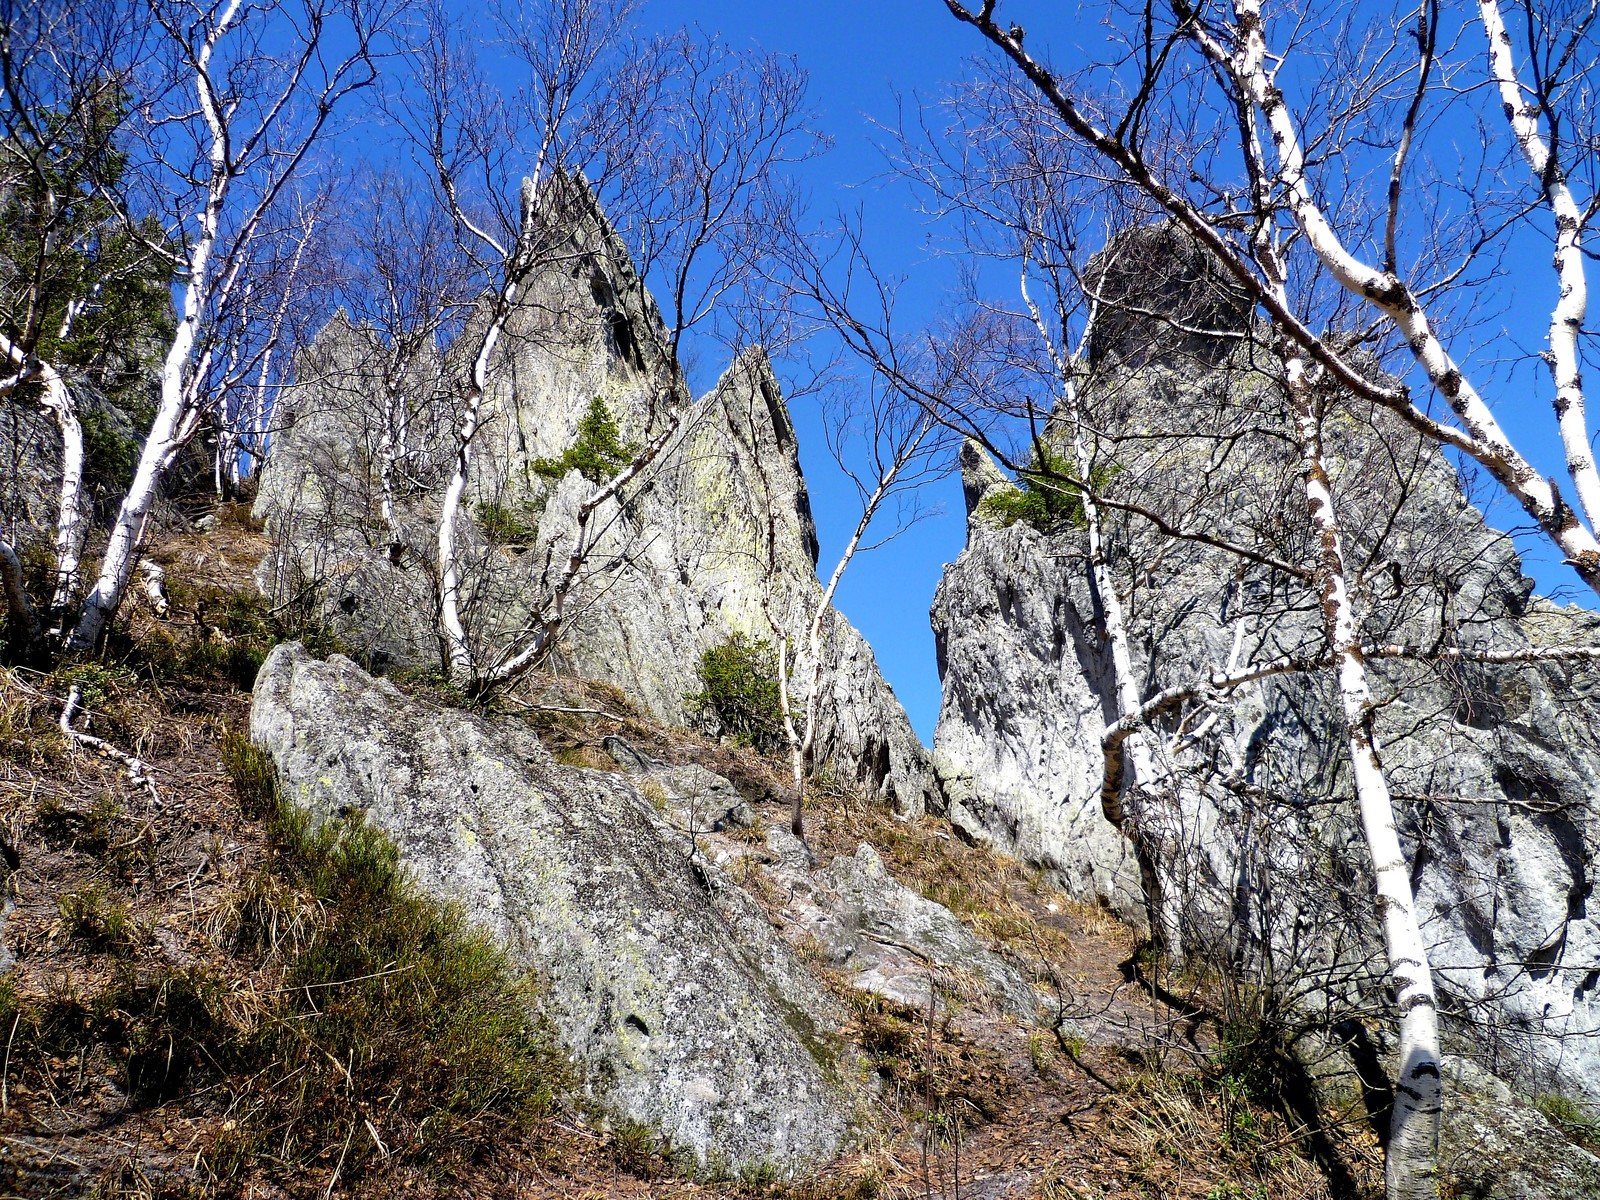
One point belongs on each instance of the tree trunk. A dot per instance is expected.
(1411, 1170)
(71, 521)
(1140, 826)
(19, 613)
(167, 434)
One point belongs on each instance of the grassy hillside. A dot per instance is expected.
(210, 999)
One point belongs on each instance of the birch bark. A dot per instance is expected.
(1411, 1162)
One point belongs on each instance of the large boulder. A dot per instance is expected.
(666, 984)
(888, 939)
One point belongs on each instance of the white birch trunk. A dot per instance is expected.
(19, 612)
(803, 743)
(1129, 764)
(390, 450)
(1566, 319)
(458, 648)
(1411, 1165)
(797, 747)
(1139, 775)
(174, 419)
(72, 521)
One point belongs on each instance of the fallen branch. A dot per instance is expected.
(154, 587)
(138, 770)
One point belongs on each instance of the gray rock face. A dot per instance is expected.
(715, 539)
(1026, 697)
(1494, 769)
(894, 942)
(666, 982)
(1496, 1146)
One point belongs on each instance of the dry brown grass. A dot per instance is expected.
(960, 1094)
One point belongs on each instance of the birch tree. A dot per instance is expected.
(900, 447)
(244, 96)
(1355, 72)
(1288, 220)
(78, 287)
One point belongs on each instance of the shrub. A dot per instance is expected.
(739, 692)
(1570, 1117)
(109, 456)
(1042, 497)
(597, 455)
(508, 526)
(399, 1030)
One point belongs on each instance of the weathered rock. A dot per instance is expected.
(1018, 741)
(892, 941)
(716, 539)
(980, 474)
(1163, 297)
(666, 983)
(1496, 1146)
(707, 799)
(624, 755)
(1494, 769)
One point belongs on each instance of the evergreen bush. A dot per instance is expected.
(1043, 498)
(739, 692)
(597, 455)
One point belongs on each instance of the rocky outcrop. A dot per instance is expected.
(1496, 1145)
(887, 939)
(664, 981)
(1495, 769)
(715, 539)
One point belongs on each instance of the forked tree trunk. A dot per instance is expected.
(1411, 1169)
(171, 428)
(175, 417)
(458, 647)
(1130, 767)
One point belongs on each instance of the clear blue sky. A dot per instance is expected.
(859, 55)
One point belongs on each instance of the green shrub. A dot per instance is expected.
(1569, 1116)
(739, 692)
(597, 455)
(508, 526)
(1043, 498)
(398, 1030)
(109, 457)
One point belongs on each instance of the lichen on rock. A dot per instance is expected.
(666, 984)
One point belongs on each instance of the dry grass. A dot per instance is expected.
(155, 947)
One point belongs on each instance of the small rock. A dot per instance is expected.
(625, 756)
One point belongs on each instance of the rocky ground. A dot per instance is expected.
(1006, 1039)
(132, 986)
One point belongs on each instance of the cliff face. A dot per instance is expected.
(716, 538)
(1494, 769)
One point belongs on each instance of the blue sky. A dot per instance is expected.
(859, 56)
